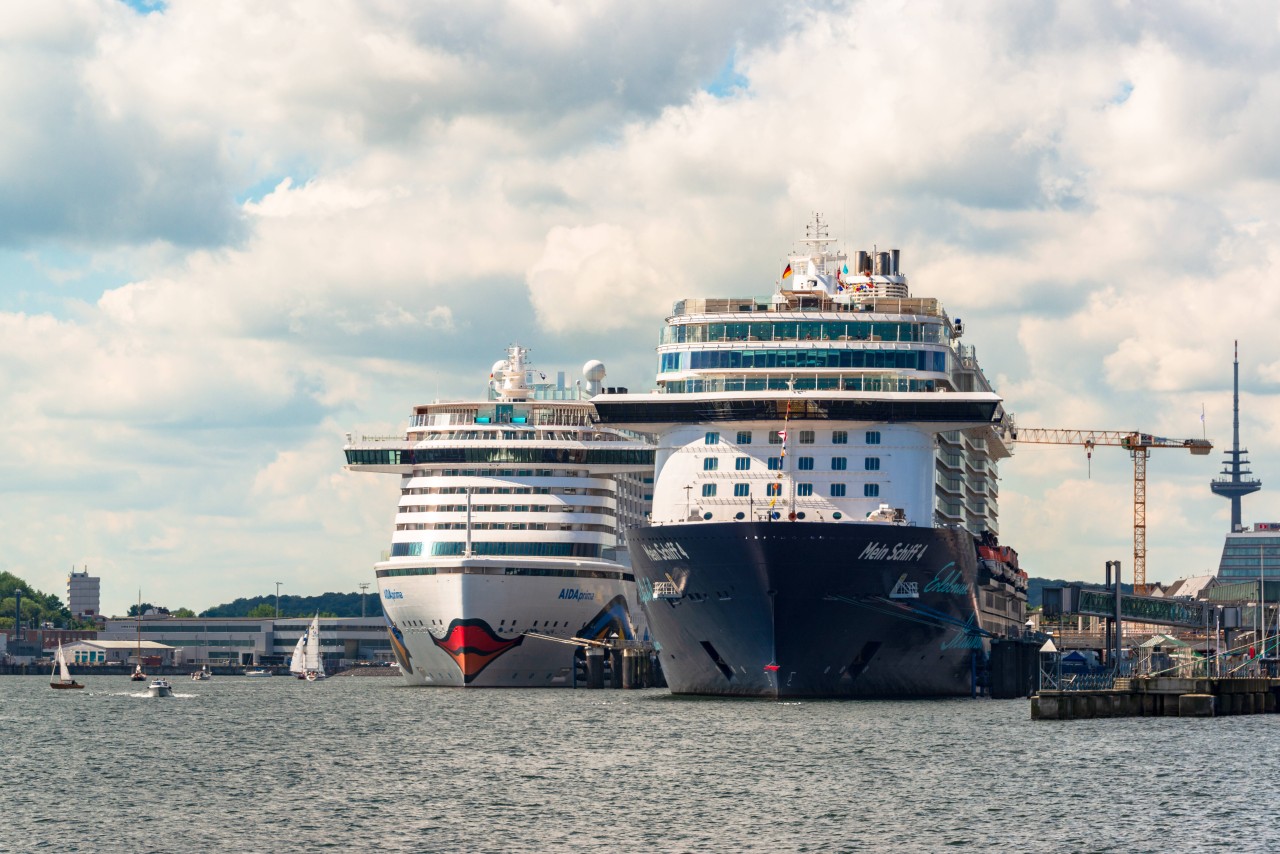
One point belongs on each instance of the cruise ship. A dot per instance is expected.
(824, 518)
(505, 554)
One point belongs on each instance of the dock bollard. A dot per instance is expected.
(595, 667)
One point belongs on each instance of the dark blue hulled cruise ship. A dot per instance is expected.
(824, 518)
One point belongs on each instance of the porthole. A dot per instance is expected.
(837, 515)
(706, 515)
(740, 515)
(800, 515)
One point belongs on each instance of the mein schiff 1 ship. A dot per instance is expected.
(824, 507)
(506, 535)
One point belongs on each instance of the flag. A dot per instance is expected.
(786, 272)
(782, 434)
(846, 269)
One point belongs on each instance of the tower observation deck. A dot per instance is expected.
(1236, 480)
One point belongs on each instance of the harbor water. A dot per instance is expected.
(366, 764)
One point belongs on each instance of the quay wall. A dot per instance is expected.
(1161, 696)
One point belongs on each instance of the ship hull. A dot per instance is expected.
(818, 609)
(469, 630)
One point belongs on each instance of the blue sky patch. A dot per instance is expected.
(727, 79)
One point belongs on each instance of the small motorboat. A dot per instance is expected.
(202, 675)
(160, 687)
(258, 671)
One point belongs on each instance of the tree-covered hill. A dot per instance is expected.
(326, 604)
(36, 606)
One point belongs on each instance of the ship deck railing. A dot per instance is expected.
(666, 590)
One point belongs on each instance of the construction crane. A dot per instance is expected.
(1139, 446)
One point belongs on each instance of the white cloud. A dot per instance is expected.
(325, 214)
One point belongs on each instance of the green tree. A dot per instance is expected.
(183, 612)
(263, 610)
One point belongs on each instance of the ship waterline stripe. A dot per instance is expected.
(539, 572)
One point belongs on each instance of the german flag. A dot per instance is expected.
(787, 272)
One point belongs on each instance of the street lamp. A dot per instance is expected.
(278, 583)
(364, 585)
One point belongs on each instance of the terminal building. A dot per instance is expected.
(222, 641)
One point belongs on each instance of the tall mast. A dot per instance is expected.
(1236, 481)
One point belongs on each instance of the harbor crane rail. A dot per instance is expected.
(1139, 446)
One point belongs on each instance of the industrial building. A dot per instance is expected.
(220, 641)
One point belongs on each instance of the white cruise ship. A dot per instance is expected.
(507, 541)
(824, 507)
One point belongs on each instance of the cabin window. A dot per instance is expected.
(871, 490)
(804, 489)
(773, 489)
(873, 437)
(804, 463)
(742, 464)
(839, 463)
(840, 437)
(837, 490)
(806, 437)
(708, 490)
(744, 437)
(871, 464)
(710, 464)
(775, 463)
(713, 439)
(741, 490)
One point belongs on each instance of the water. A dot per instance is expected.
(366, 764)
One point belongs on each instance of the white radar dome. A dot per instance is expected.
(498, 367)
(593, 371)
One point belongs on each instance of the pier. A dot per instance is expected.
(1161, 696)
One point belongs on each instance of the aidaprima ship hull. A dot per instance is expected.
(811, 609)
(473, 630)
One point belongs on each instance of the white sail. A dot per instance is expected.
(62, 665)
(298, 664)
(315, 662)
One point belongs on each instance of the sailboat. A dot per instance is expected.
(298, 663)
(138, 675)
(314, 666)
(63, 679)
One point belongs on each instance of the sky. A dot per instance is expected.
(231, 233)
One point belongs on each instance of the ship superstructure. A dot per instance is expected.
(825, 506)
(508, 531)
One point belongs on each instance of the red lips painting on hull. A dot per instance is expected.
(473, 646)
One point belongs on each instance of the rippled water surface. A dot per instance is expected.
(356, 764)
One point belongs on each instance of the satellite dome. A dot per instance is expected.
(498, 367)
(593, 371)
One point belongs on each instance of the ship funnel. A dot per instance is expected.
(894, 257)
(882, 264)
(861, 262)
